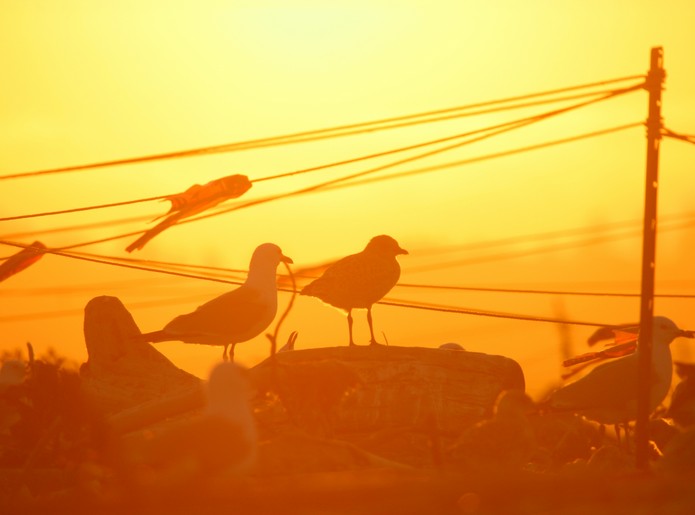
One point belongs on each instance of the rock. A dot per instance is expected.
(395, 387)
(123, 372)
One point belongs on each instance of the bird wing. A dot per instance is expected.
(229, 317)
(609, 384)
(355, 281)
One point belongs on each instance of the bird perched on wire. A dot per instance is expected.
(608, 394)
(359, 280)
(235, 316)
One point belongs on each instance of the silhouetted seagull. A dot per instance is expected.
(608, 394)
(235, 316)
(359, 280)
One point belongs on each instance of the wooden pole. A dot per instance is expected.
(654, 85)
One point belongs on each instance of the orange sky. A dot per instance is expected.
(94, 81)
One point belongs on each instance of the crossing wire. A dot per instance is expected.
(295, 172)
(312, 135)
(427, 307)
(439, 167)
(278, 176)
(505, 127)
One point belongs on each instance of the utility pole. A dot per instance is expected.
(654, 85)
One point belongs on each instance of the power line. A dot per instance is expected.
(492, 314)
(110, 261)
(496, 130)
(220, 209)
(311, 135)
(77, 227)
(428, 307)
(683, 137)
(59, 252)
(86, 208)
(486, 157)
(490, 132)
(296, 172)
(441, 140)
(272, 177)
(538, 292)
(391, 302)
(349, 184)
(540, 250)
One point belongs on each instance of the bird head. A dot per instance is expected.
(269, 253)
(385, 245)
(665, 331)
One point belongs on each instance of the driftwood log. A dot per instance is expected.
(387, 387)
(403, 404)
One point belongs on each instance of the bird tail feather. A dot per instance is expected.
(155, 337)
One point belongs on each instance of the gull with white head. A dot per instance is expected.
(235, 316)
(608, 394)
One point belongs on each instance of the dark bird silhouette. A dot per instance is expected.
(359, 280)
(236, 316)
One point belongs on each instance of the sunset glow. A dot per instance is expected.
(87, 82)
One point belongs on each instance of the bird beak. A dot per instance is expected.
(286, 259)
(687, 334)
(401, 251)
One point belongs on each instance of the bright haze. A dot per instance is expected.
(91, 82)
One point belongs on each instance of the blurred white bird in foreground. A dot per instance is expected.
(608, 394)
(359, 280)
(236, 316)
(221, 441)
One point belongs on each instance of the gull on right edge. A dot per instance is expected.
(608, 394)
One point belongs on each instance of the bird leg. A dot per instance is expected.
(231, 353)
(371, 327)
(224, 353)
(349, 319)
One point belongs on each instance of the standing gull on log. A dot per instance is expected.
(359, 280)
(235, 316)
(608, 394)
